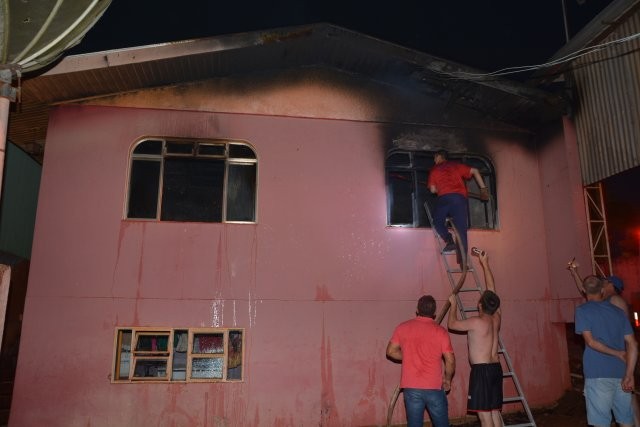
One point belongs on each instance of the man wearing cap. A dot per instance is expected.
(447, 180)
(613, 286)
(611, 289)
(609, 359)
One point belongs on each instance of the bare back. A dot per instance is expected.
(482, 330)
(483, 338)
(619, 302)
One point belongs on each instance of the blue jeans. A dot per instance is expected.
(604, 395)
(456, 206)
(416, 399)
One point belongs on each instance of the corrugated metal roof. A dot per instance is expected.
(321, 45)
(608, 96)
(605, 91)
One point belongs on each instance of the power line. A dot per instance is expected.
(461, 75)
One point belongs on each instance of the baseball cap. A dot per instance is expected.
(616, 282)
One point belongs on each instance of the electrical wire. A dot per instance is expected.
(461, 75)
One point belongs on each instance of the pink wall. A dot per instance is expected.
(565, 216)
(319, 282)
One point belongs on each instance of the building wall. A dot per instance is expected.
(319, 282)
(19, 202)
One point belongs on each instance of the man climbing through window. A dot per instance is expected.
(447, 180)
(485, 379)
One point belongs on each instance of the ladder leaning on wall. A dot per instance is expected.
(467, 297)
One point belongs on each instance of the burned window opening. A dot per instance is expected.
(407, 173)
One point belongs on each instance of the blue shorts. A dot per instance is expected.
(604, 395)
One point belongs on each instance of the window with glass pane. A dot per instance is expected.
(180, 350)
(180, 355)
(151, 355)
(234, 355)
(143, 188)
(192, 181)
(241, 190)
(207, 366)
(123, 355)
(407, 173)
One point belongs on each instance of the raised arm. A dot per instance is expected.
(572, 266)
(431, 183)
(453, 322)
(484, 193)
(488, 274)
(476, 175)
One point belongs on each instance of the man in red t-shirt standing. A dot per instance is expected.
(421, 344)
(447, 179)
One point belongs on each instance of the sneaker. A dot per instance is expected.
(449, 248)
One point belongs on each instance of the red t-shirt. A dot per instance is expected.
(422, 342)
(448, 177)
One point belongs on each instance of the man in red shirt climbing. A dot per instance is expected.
(447, 180)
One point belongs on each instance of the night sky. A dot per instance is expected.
(486, 34)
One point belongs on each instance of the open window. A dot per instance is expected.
(407, 173)
(186, 355)
(151, 356)
(192, 181)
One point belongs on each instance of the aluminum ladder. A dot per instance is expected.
(467, 298)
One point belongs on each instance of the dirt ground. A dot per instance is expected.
(569, 411)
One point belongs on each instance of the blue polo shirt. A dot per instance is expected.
(609, 325)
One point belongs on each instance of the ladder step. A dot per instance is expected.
(520, 425)
(512, 399)
(459, 270)
(470, 309)
(508, 374)
(468, 290)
